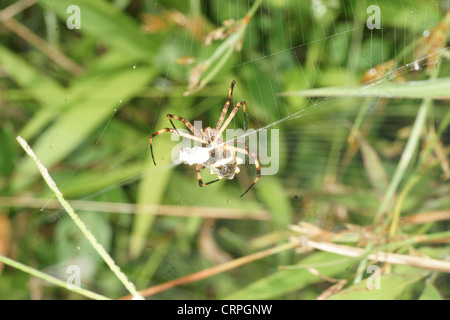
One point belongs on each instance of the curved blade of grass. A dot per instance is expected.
(406, 157)
(289, 280)
(44, 90)
(431, 89)
(80, 89)
(415, 178)
(77, 123)
(102, 20)
(80, 224)
(391, 286)
(49, 278)
(48, 93)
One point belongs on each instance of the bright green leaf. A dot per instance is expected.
(391, 286)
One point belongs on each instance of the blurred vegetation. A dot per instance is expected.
(363, 151)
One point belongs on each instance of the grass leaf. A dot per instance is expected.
(74, 126)
(432, 89)
(391, 286)
(286, 281)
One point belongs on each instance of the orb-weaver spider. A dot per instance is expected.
(222, 159)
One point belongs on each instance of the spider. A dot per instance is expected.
(222, 159)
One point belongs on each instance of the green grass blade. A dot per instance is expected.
(80, 224)
(430, 292)
(102, 20)
(74, 126)
(49, 278)
(431, 89)
(286, 281)
(391, 286)
(42, 88)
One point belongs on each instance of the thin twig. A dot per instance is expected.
(49, 278)
(426, 263)
(131, 208)
(89, 236)
(200, 275)
(53, 53)
(15, 8)
(426, 217)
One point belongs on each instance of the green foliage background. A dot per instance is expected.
(90, 125)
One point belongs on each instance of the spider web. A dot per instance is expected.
(261, 78)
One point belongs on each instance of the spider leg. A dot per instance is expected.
(230, 117)
(238, 149)
(257, 166)
(199, 177)
(171, 130)
(258, 173)
(244, 151)
(226, 106)
(186, 123)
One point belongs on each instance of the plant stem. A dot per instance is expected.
(223, 53)
(97, 246)
(407, 155)
(398, 206)
(206, 273)
(55, 281)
